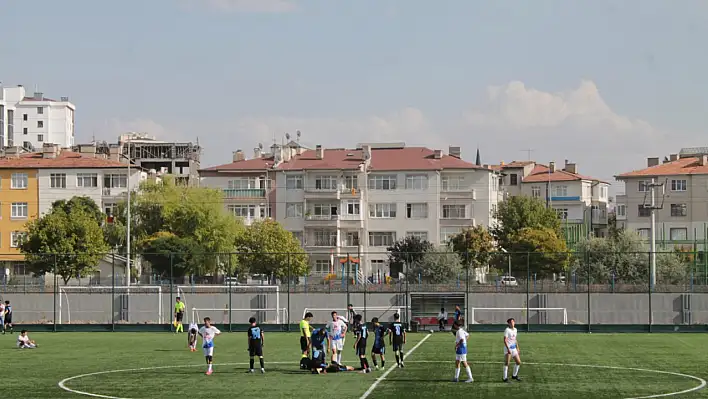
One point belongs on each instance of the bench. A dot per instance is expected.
(425, 322)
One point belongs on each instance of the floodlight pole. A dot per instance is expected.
(653, 207)
(127, 238)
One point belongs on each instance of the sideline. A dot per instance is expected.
(390, 369)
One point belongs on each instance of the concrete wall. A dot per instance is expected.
(82, 307)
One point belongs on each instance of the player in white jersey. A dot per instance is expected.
(192, 336)
(511, 351)
(24, 341)
(336, 330)
(208, 333)
(461, 337)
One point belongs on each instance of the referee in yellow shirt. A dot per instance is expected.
(305, 338)
(179, 315)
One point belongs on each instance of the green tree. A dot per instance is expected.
(522, 212)
(68, 241)
(435, 266)
(475, 246)
(544, 251)
(172, 256)
(84, 203)
(407, 250)
(265, 247)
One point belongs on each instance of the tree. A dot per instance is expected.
(522, 212)
(544, 251)
(172, 256)
(435, 266)
(474, 246)
(407, 250)
(84, 203)
(265, 247)
(67, 241)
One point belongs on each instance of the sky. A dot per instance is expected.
(605, 84)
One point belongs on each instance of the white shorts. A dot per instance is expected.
(337, 345)
(514, 352)
(461, 358)
(209, 351)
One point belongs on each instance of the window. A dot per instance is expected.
(453, 183)
(115, 181)
(19, 181)
(351, 239)
(387, 182)
(644, 233)
(40, 138)
(294, 210)
(643, 211)
(322, 267)
(603, 192)
(87, 180)
(562, 213)
(454, 211)
(513, 179)
(16, 238)
(242, 183)
(560, 191)
(24, 130)
(378, 265)
(382, 210)
(325, 238)
(265, 212)
(243, 211)
(678, 233)
(417, 182)
(643, 186)
(493, 210)
(293, 183)
(421, 235)
(324, 211)
(299, 236)
(446, 233)
(24, 117)
(622, 210)
(678, 185)
(57, 180)
(326, 183)
(351, 182)
(40, 124)
(536, 191)
(19, 210)
(40, 110)
(110, 209)
(678, 210)
(417, 211)
(352, 208)
(382, 238)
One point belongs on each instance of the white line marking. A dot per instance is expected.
(390, 369)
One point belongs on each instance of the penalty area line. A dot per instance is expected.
(390, 369)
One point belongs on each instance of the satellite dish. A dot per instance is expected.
(298, 133)
(287, 136)
(260, 145)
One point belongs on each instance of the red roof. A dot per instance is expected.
(256, 164)
(540, 174)
(64, 160)
(682, 166)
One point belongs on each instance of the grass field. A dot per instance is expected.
(158, 365)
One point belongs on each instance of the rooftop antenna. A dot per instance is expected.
(528, 152)
(260, 146)
(287, 137)
(297, 132)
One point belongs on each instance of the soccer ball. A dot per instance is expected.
(432, 331)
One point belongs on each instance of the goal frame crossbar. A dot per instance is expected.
(281, 313)
(184, 291)
(125, 290)
(565, 311)
(397, 309)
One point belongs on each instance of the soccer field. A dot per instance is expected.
(159, 365)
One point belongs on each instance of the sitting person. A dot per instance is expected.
(24, 342)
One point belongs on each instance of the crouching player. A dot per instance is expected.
(362, 333)
(192, 336)
(379, 347)
(24, 342)
(208, 333)
(461, 337)
(511, 351)
(255, 344)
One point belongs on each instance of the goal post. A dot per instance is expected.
(476, 312)
(384, 313)
(239, 316)
(136, 303)
(240, 299)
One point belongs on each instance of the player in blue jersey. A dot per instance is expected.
(379, 347)
(361, 332)
(208, 333)
(255, 345)
(397, 338)
(461, 337)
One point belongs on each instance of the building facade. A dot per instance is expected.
(31, 121)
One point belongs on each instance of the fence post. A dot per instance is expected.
(467, 289)
(587, 267)
(528, 289)
(172, 288)
(230, 293)
(56, 290)
(651, 288)
(113, 292)
(290, 277)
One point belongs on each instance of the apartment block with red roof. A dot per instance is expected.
(684, 198)
(581, 201)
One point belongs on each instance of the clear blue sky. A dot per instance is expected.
(233, 74)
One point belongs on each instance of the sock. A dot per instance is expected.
(398, 361)
(374, 360)
(506, 372)
(339, 358)
(383, 363)
(250, 362)
(457, 372)
(210, 366)
(304, 355)
(469, 372)
(401, 355)
(516, 370)
(361, 362)
(366, 363)
(262, 363)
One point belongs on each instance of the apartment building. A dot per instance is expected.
(29, 121)
(683, 216)
(581, 201)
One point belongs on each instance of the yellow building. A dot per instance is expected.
(19, 203)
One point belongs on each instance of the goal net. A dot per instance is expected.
(501, 315)
(384, 313)
(108, 304)
(240, 302)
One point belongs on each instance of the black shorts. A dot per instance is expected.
(397, 345)
(179, 316)
(303, 344)
(361, 349)
(378, 350)
(255, 349)
(8, 319)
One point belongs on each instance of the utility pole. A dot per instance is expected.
(653, 207)
(127, 223)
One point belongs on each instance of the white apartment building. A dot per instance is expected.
(31, 121)
(683, 199)
(578, 199)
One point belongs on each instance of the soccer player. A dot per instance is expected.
(379, 347)
(351, 313)
(338, 368)
(511, 351)
(24, 342)
(208, 333)
(179, 315)
(458, 313)
(8, 318)
(2, 316)
(336, 329)
(362, 333)
(305, 338)
(318, 363)
(397, 338)
(442, 319)
(192, 336)
(255, 345)
(461, 337)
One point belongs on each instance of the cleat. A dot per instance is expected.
(251, 371)
(517, 378)
(469, 380)
(208, 372)
(402, 365)
(376, 367)
(262, 371)
(455, 380)
(506, 380)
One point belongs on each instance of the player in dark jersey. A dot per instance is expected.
(379, 347)
(397, 338)
(8, 318)
(361, 332)
(255, 344)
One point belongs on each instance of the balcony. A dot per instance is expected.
(244, 193)
(321, 220)
(351, 221)
(349, 193)
(113, 191)
(599, 216)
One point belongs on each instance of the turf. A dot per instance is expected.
(428, 371)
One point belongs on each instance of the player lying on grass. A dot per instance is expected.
(192, 336)
(208, 333)
(362, 333)
(397, 338)
(256, 341)
(379, 347)
(511, 351)
(461, 337)
(24, 341)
